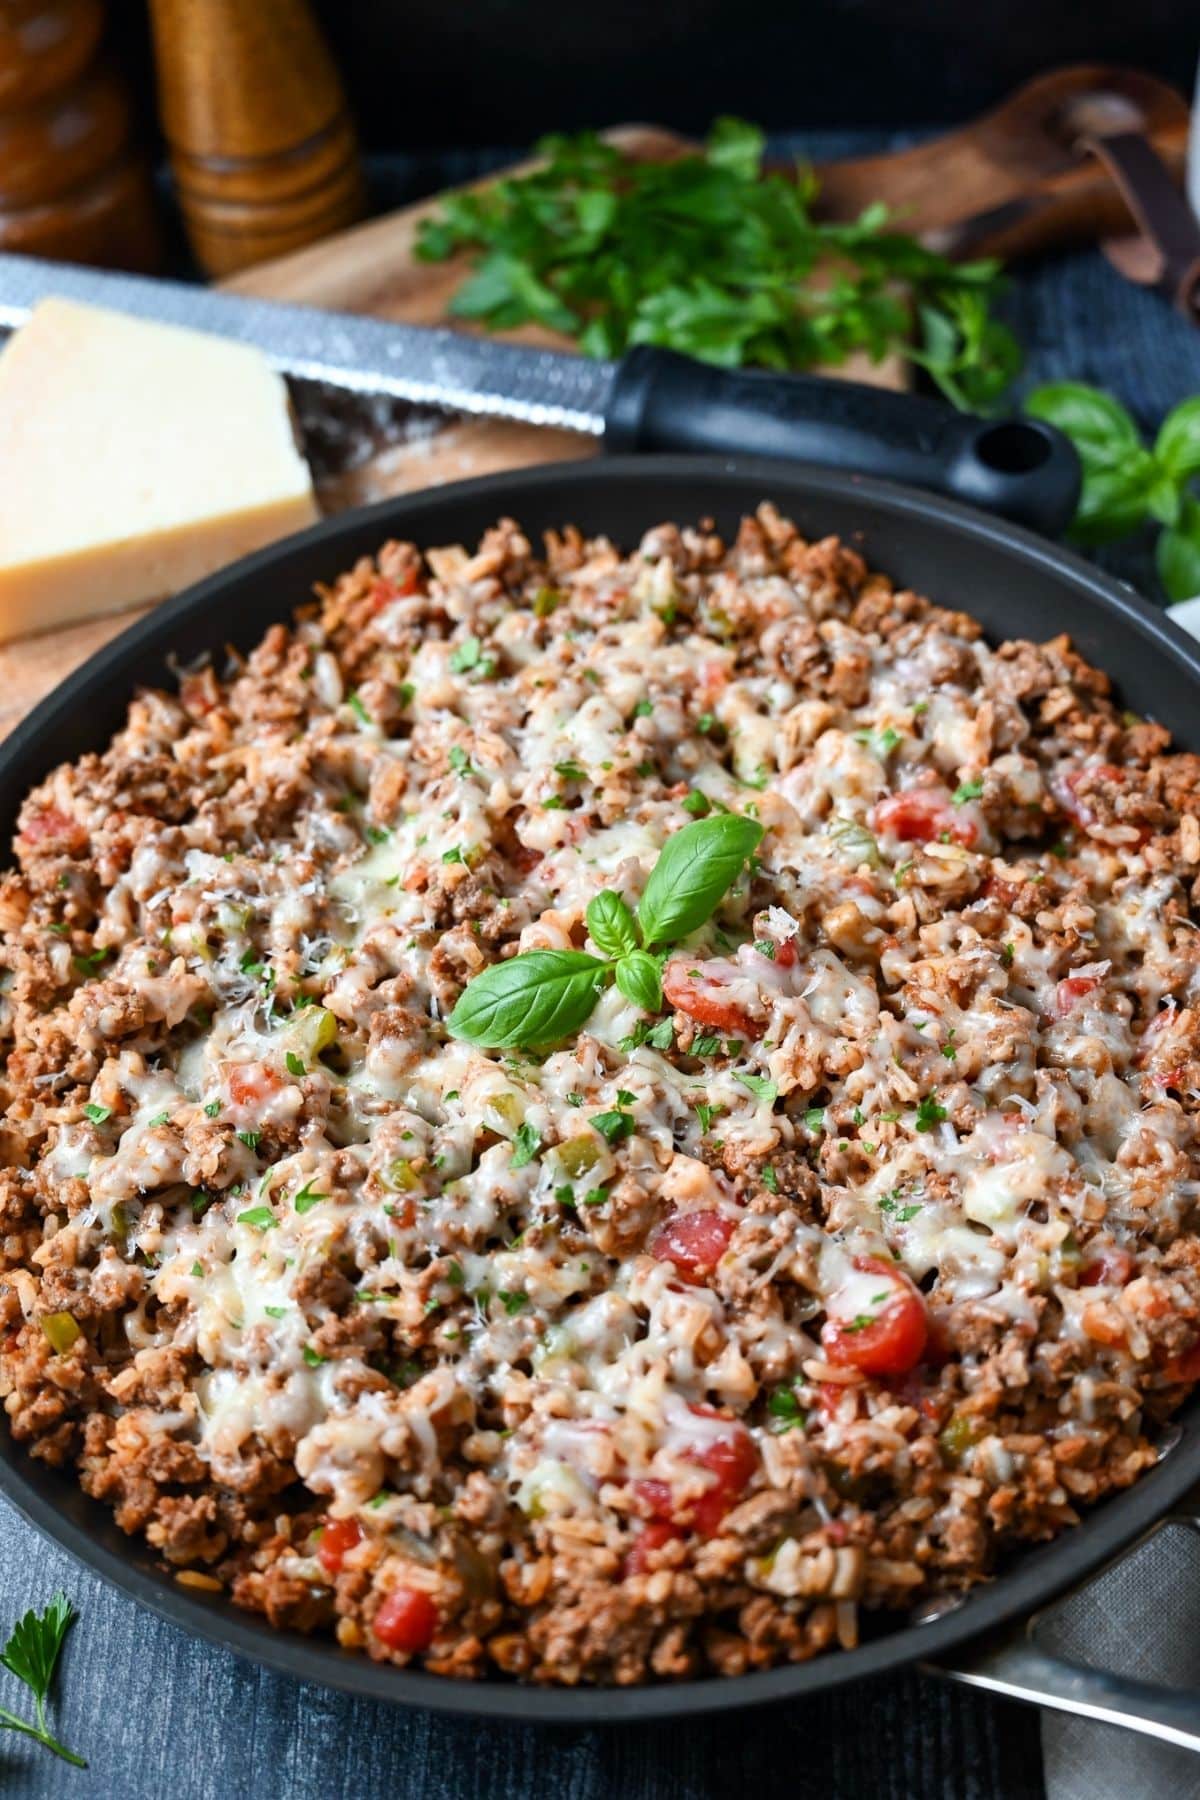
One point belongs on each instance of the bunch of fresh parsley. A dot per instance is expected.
(710, 256)
(1126, 485)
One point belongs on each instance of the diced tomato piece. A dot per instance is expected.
(337, 1537)
(699, 990)
(252, 1084)
(694, 1241)
(893, 1340)
(787, 953)
(1071, 991)
(831, 1400)
(1186, 1366)
(385, 589)
(523, 859)
(657, 1498)
(52, 823)
(1110, 1267)
(731, 1461)
(917, 816)
(406, 1621)
(652, 1536)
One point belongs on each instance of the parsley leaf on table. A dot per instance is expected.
(30, 1654)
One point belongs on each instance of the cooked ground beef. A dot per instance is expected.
(891, 1258)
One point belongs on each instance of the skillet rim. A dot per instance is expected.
(1034, 1576)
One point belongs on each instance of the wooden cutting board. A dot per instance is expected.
(372, 269)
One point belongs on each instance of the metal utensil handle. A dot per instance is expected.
(1020, 468)
(1011, 1663)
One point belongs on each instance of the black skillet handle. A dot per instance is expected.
(1021, 468)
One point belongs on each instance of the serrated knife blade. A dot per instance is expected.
(422, 365)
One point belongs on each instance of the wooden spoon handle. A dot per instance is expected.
(1020, 179)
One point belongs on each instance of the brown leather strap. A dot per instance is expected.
(1166, 253)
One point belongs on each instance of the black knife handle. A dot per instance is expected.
(1021, 468)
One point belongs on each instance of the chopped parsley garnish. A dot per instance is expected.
(512, 1302)
(454, 855)
(212, 1108)
(967, 790)
(570, 771)
(306, 1199)
(948, 1048)
(770, 1180)
(377, 834)
(259, 1218)
(468, 658)
(295, 1064)
(526, 1144)
(929, 1114)
(595, 1196)
(97, 1114)
(659, 1036)
(460, 762)
(198, 1272)
(1006, 955)
(406, 693)
(785, 1411)
(705, 1114)
(643, 709)
(707, 1044)
(614, 1126)
(251, 1139)
(762, 1087)
(814, 1118)
(89, 961)
(891, 1206)
(312, 1357)
(354, 702)
(275, 1312)
(160, 1119)
(766, 947)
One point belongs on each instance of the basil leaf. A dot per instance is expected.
(1178, 553)
(1115, 501)
(696, 869)
(1177, 446)
(530, 1001)
(640, 980)
(1098, 426)
(611, 924)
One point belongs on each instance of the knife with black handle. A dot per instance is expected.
(651, 400)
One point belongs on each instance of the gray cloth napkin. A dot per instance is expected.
(1140, 1618)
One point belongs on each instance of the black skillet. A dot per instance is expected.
(1017, 585)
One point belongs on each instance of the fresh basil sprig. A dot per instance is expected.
(1126, 485)
(538, 998)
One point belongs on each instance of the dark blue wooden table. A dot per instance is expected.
(162, 1717)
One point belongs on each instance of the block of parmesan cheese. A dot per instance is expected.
(134, 458)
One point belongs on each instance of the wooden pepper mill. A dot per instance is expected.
(72, 186)
(263, 150)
